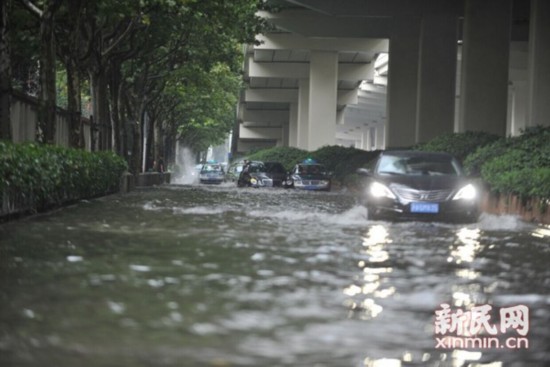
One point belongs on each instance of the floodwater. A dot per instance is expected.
(220, 276)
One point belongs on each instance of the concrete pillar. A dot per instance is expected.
(485, 60)
(402, 82)
(323, 93)
(379, 138)
(518, 108)
(286, 131)
(436, 76)
(365, 138)
(293, 125)
(538, 112)
(303, 114)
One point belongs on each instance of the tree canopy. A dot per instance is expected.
(174, 63)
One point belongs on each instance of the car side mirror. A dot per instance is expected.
(363, 172)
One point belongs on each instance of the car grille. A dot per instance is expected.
(310, 182)
(409, 194)
(267, 182)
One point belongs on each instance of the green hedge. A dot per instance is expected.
(458, 144)
(516, 165)
(343, 161)
(288, 157)
(39, 176)
(533, 140)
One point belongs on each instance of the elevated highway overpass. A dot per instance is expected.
(376, 74)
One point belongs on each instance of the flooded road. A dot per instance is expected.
(219, 276)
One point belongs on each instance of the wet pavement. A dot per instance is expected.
(220, 276)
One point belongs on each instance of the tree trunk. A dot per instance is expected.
(114, 88)
(47, 102)
(5, 72)
(71, 59)
(159, 152)
(74, 106)
(135, 159)
(94, 127)
(125, 133)
(93, 134)
(100, 108)
(134, 137)
(151, 157)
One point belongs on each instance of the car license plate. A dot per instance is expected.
(424, 208)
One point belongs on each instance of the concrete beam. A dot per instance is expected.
(378, 8)
(277, 69)
(265, 117)
(261, 133)
(314, 24)
(271, 95)
(278, 41)
(355, 72)
(345, 97)
(297, 70)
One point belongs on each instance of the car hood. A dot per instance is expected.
(425, 182)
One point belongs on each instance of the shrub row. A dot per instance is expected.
(515, 165)
(459, 145)
(34, 177)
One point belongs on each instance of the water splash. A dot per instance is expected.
(491, 222)
(186, 173)
(354, 216)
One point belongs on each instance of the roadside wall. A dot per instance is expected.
(24, 116)
(528, 210)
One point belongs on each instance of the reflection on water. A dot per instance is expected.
(216, 276)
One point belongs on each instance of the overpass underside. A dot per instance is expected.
(378, 74)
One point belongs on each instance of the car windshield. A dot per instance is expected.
(256, 167)
(310, 169)
(433, 165)
(211, 168)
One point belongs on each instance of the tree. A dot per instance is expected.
(47, 98)
(5, 71)
(72, 52)
(207, 113)
(156, 60)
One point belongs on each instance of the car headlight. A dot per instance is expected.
(468, 192)
(379, 191)
(253, 181)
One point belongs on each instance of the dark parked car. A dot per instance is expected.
(254, 175)
(419, 185)
(276, 171)
(212, 173)
(309, 175)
